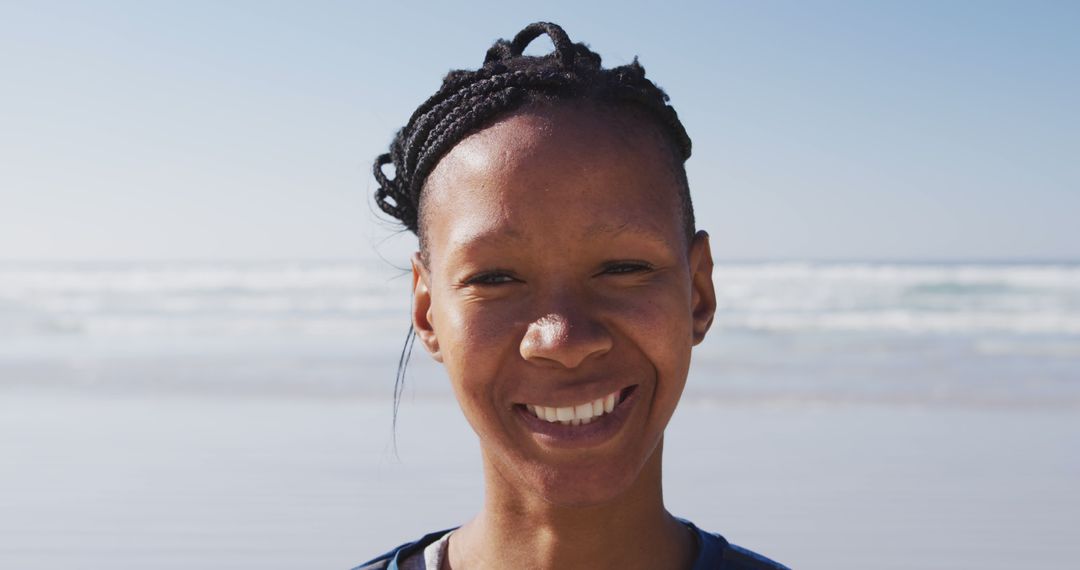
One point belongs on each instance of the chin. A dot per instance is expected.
(585, 485)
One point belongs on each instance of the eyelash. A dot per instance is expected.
(489, 278)
(493, 278)
(626, 267)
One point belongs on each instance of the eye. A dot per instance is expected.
(489, 278)
(626, 267)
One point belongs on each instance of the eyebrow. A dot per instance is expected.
(612, 230)
(599, 229)
(488, 235)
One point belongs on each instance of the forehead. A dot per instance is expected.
(582, 169)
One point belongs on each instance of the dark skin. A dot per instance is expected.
(558, 269)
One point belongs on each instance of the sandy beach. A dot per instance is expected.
(185, 482)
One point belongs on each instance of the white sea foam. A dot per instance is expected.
(198, 299)
(348, 298)
(908, 298)
(905, 321)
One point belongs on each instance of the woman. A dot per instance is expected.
(561, 282)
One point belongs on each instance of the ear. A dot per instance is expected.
(703, 298)
(421, 307)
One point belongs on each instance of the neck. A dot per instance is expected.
(519, 530)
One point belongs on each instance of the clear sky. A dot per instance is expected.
(822, 130)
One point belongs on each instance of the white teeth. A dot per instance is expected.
(580, 414)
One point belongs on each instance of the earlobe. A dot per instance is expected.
(703, 299)
(421, 308)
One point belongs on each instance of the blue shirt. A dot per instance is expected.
(714, 553)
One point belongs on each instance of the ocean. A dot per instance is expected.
(924, 333)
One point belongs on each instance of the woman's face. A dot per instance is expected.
(559, 284)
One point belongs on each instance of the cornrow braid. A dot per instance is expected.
(508, 80)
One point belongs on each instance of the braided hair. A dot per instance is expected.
(469, 100)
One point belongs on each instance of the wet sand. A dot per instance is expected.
(172, 481)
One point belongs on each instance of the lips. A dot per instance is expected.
(590, 430)
(579, 414)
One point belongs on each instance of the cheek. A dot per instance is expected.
(475, 343)
(472, 330)
(480, 344)
(661, 321)
(661, 327)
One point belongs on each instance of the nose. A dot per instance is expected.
(565, 338)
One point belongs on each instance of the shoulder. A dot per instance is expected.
(716, 552)
(739, 558)
(383, 561)
(379, 563)
(390, 559)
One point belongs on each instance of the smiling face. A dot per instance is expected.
(558, 281)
